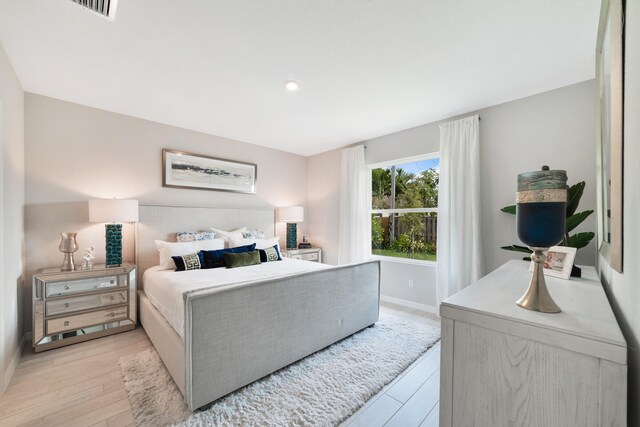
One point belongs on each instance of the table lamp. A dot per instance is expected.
(291, 215)
(113, 212)
(541, 212)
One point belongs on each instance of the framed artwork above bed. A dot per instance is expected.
(188, 170)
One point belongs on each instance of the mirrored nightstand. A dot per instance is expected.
(75, 306)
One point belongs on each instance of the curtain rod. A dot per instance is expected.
(479, 119)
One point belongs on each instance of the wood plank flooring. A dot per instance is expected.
(81, 385)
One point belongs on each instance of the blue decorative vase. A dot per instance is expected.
(541, 208)
(113, 240)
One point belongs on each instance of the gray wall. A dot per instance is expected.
(12, 222)
(624, 289)
(75, 153)
(555, 128)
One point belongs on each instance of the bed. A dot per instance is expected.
(218, 330)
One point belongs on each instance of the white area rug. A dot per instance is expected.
(323, 389)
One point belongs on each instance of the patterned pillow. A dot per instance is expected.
(270, 254)
(253, 234)
(194, 236)
(188, 262)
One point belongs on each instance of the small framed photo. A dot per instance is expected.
(559, 262)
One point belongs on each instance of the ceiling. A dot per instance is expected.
(365, 68)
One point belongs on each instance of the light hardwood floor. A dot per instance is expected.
(81, 385)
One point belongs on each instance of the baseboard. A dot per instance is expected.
(15, 359)
(410, 304)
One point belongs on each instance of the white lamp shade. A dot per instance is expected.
(291, 214)
(113, 210)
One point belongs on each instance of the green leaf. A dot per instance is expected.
(509, 209)
(576, 219)
(574, 196)
(517, 248)
(580, 240)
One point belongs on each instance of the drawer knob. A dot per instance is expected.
(66, 305)
(111, 315)
(66, 323)
(66, 287)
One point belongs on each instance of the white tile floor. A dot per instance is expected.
(412, 398)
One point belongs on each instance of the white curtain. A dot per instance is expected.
(459, 258)
(354, 243)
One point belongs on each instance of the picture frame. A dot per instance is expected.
(559, 262)
(181, 169)
(609, 132)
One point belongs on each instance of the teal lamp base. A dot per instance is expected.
(292, 235)
(113, 238)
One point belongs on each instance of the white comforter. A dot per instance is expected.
(165, 288)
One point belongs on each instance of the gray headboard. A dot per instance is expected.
(162, 222)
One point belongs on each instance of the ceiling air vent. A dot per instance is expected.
(105, 8)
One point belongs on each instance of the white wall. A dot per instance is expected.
(74, 153)
(624, 289)
(11, 222)
(555, 128)
(323, 201)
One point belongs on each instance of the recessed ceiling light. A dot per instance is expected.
(291, 85)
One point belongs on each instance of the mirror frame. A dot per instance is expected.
(611, 13)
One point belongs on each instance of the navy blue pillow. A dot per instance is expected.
(215, 259)
(189, 262)
(270, 254)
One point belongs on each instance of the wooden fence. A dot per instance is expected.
(430, 228)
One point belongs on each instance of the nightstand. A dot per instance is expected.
(75, 306)
(310, 254)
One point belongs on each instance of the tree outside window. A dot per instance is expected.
(404, 211)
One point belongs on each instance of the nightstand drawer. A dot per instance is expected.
(83, 285)
(68, 305)
(86, 319)
(308, 257)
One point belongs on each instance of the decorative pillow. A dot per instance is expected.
(227, 235)
(215, 259)
(188, 262)
(260, 243)
(245, 259)
(253, 234)
(270, 254)
(192, 236)
(166, 250)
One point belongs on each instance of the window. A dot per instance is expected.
(404, 208)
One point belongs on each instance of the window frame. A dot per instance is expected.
(372, 211)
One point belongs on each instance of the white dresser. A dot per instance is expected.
(502, 365)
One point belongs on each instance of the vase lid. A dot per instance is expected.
(543, 179)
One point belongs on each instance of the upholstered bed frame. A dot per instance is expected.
(239, 333)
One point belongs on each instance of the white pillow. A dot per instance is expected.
(168, 249)
(227, 235)
(260, 243)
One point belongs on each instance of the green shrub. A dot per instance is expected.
(377, 232)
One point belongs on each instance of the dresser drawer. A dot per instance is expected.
(79, 321)
(83, 285)
(68, 305)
